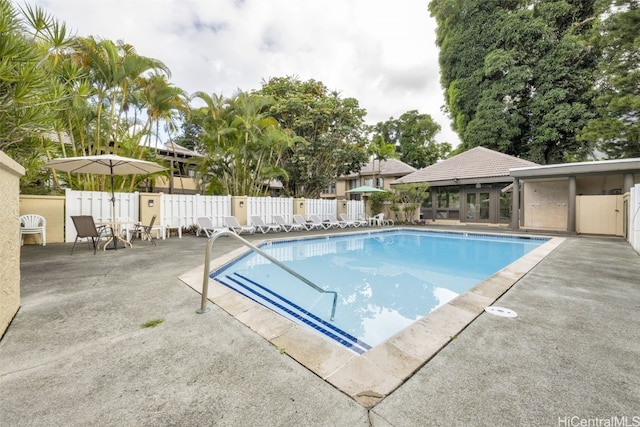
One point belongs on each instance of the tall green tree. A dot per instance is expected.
(616, 130)
(518, 76)
(242, 144)
(413, 135)
(331, 131)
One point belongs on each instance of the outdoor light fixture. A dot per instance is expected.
(301, 205)
(241, 204)
(150, 203)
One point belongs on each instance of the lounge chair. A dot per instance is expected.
(33, 224)
(353, 222)
(259, 223)
(144, 231)
(205, 225)
(286, 226)
(298, 219)
(231, 222)
(315, 219)
(86, 228)
(333, 222)
(362, 219)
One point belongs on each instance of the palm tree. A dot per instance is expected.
(380, 150)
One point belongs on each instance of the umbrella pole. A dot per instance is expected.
(113, 209)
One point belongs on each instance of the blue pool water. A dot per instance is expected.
(384, 281)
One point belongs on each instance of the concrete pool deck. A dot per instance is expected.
(76, 353)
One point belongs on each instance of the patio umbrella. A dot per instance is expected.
(105, 164)
(364, 189)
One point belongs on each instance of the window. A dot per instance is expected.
(448, 203)
(505, 207)
(448, 198)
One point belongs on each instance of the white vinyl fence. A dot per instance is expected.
(186, 208)
(320, 207)
(266, 207)
(355, 208)
(98, 204)
(634, 218)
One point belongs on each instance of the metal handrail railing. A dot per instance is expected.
(207, 270)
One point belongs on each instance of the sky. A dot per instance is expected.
(380, 52)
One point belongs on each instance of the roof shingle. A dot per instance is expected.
(479, 162)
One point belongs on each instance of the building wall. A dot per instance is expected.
(546, 204)
(10, 173)
(599, 184)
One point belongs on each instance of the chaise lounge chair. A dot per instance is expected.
(315, 219)
(205, 225)
(231, 222)
(286, 226)
(352, 222)
(259, 223)
(333, 222)
(298, 219)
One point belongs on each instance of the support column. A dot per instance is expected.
(628, 182)
(571, 220)
(515, 204)
(434, 203)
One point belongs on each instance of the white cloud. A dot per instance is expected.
(379, 52)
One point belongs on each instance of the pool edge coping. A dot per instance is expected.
(371, 376)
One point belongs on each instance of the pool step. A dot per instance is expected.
(290, 310)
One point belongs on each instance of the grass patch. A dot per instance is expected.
(152, 323)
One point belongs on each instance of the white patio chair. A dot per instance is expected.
(33, 224)
(286, 226)
(259, 223)
(231, 222)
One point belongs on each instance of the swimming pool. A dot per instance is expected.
(376, 283)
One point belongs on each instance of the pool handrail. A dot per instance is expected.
(207, 270)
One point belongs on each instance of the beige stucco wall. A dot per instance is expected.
(239, 208)
(10, 173)
(52, 209)
(300, 207)
(546, 204)
(187, 184)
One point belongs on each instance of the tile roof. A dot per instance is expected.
(479, 162)
(389, 167)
